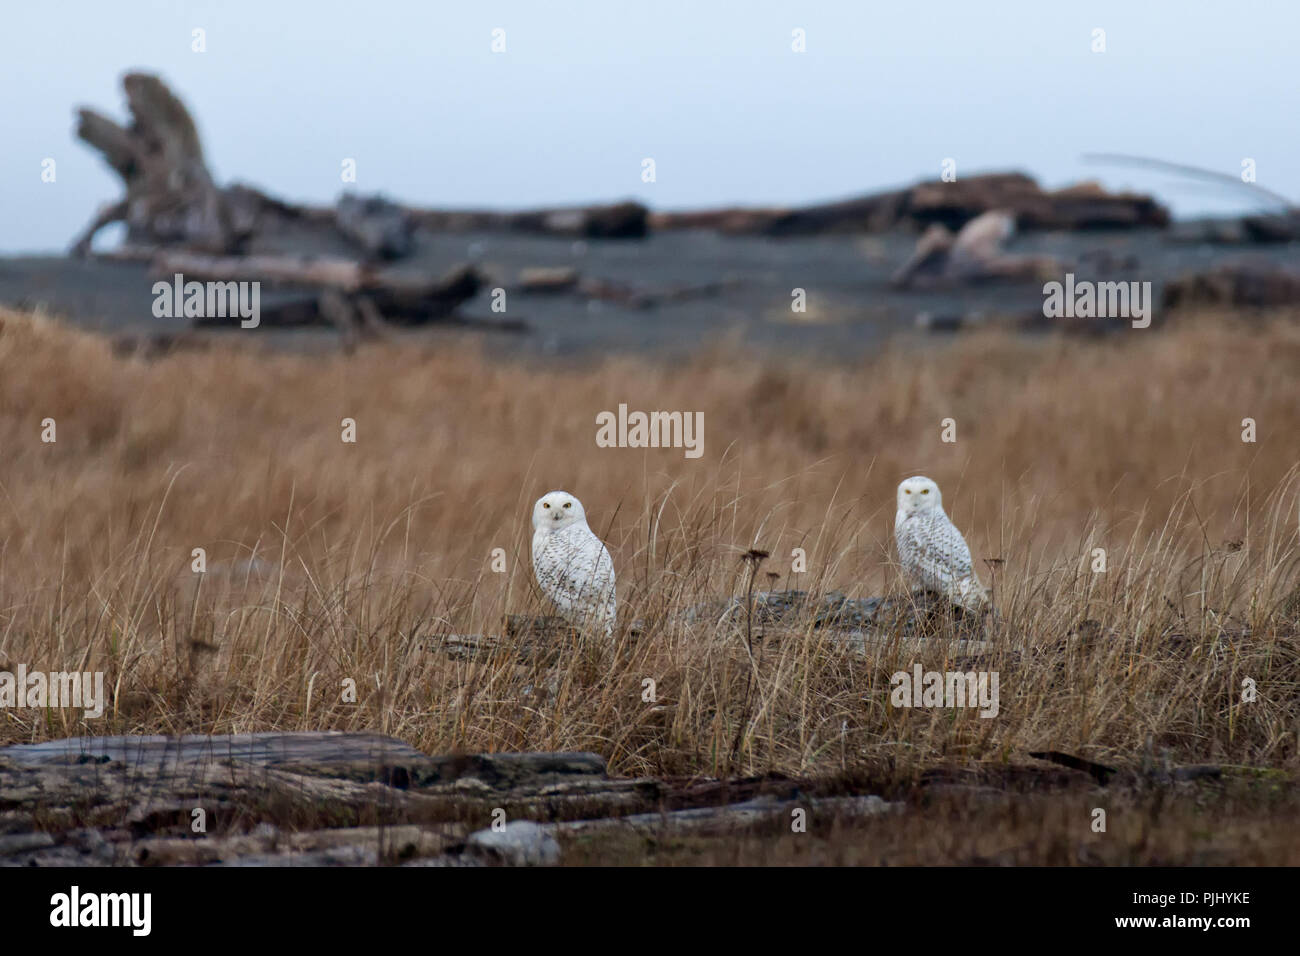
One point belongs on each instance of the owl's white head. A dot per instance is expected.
(918, 494)
(556, 510)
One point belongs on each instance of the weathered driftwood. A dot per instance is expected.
(875, 213)
(339, 799)
(975, 254)
(951, 204)
(342, 292)
(920, 614)
(278, 797)
(170, 195)
(565, 280)
(344, 275)
(537, 641)
(731, 817)
(1245, 282)
(382, 229)
(171, 200)
(268, 845)
(624, 220)
(1104, 775)
(387, 222)
(872, 626)
(324, 752)
(636, 296)
(548, 280)
(1283, 227)
(283, 799)
(1261, 229)
(528, 843)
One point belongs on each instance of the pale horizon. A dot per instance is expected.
(716, 96)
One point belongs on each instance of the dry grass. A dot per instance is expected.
(363, 552)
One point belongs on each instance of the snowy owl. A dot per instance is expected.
(931, 550)
(572, 566)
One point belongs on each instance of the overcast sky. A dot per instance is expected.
(712, 91)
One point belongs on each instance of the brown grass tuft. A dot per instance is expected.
(329, 561)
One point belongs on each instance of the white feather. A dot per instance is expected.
(932, 552)
(572, 566)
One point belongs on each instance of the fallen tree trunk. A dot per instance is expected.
(322, 798)
(345, 275)
(865, 626)
(625, 220)
(950, 204)
(349, 294)
(1246, 282)
(171, 201)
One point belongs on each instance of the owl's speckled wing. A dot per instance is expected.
(574, 570)
(934, 555)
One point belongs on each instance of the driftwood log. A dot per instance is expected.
(1246, 282)
(328, 798)
(171, 200)
(975, 254)
(624, 220)
(871, 626)
(382, 229)
(566, 280)
(951, 204)
(1260, 229)
(351, 295)
(170, 195)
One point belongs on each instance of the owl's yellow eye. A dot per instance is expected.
(908, 490)
(568, 503)
(925, 491)
(545, 505)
